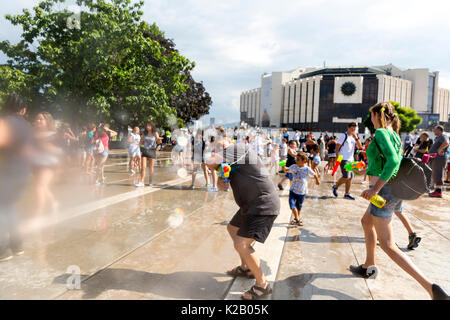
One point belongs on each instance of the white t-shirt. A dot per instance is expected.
(348, 149)
(284, 151)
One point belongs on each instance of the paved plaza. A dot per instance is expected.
(125, 244)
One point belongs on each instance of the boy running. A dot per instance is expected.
(300, 173)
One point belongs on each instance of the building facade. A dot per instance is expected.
(314, 99)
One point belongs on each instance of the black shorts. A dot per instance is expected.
(252, 226)
(148, 153)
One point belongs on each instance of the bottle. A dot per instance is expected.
(378, 201)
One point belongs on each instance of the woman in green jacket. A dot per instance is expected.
(377, 222)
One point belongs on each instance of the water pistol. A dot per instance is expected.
(354, 165)
(427, 156)
(282, 163)
(224, 171)
(336, 166)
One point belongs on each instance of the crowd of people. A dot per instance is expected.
(252, 156)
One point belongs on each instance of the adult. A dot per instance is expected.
(345, 147)
(326, 137)
(422, 146)
(384, 156)
(286, 134)
(16, 153)
(101, 152)
(439, 147)
(134, 150)
(198, 157)
(90, 159)
(148, 152)
(47, 161)
(259, 206)
(297, 136)
(321, 143)
(407, 143)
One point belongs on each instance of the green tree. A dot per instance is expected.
(105, 69)
(192, 103)
(195, 101)
(408, 117)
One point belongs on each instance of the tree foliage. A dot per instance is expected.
(408, 117)
(115, 67)
(195, 101)
(192, 103)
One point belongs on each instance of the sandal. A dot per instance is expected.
(257, 292)
(300, 223)
(239, 272)
(294, 221)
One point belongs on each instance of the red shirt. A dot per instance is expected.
(104, 139)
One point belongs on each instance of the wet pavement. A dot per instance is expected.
(169, 242)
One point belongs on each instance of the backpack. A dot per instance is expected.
(99, 147)
(413, 178)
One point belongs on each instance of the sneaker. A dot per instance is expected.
(139, 184)
(213, 189)
(435, 194)
(131, 171)
(335, 191)
(192, 187)
(349, 197)
(413, 241)
(439, 293)
(208, 185)
(280, 186)
(150, 184)
(6, 256)
(363, 272)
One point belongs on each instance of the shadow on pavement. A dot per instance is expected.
(307, 236)
(300, 287)
(177, 285)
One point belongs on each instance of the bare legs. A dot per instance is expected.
(348, 184)
(151, 163)
(44, 195)
(382, 228)
(100, 167)
(249, 259)
(405, 222)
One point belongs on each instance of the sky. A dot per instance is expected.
(234, 42)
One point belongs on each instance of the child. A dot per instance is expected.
(331, 149)
(275, 158)
(300, 173)
(315, 162)
(291, 154)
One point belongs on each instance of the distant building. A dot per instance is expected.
(329, 98)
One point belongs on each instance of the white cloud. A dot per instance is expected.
(233, 42)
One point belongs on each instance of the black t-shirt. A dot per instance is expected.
(423, 145)
(290, 160)
(253, 190)
(332, 147)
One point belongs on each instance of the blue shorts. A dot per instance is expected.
(296, 200)
(392, 204)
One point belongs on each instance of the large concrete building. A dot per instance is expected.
(329, 98)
